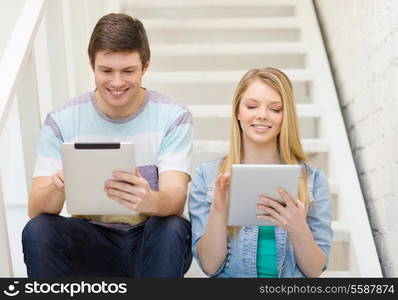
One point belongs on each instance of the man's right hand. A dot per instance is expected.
(47, 195)
(57, 179)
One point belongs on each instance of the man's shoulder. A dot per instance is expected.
(165, 101)
(72, 104)
(168, 111)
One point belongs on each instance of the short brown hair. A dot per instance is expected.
(119, 32)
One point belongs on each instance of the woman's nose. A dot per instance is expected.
(262, 114)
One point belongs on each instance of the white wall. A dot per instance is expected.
(362, 41)
(9, 11)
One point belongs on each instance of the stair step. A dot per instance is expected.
(221, 23)
(336, 274)
(210, 3)
(209, 12)
(224, 111)
(340, 232)
(230, 48)
(215, 76)
(333, 186)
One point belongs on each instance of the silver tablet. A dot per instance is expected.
(86, 167)
(248, 182)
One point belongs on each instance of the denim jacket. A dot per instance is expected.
(242, 250)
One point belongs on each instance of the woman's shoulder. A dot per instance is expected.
(209, 170)
(316, 176)
(214, 163)
(311, 170)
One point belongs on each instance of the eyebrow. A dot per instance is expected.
(253, 99)
(106, 67)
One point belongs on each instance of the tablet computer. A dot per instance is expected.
(86, 167)
(248, 182)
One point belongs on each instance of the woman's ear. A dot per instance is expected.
(237, 115)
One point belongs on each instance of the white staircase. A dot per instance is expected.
(200, 50)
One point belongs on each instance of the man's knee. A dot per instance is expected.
(169, 224)
(41, 228)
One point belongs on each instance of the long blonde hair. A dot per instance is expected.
(288, 140)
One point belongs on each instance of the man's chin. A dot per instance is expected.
(117, 104)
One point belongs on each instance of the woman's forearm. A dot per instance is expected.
(212, 247)
(310, 258)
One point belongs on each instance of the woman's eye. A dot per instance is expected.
(250, 107)
(276, 110)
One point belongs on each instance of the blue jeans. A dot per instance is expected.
(56, 246)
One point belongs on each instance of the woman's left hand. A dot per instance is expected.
(291, 217)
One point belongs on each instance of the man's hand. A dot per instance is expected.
(47, 195)
(57, 179)
(132, 191)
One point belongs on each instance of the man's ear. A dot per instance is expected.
(145, 67)
(92, 66)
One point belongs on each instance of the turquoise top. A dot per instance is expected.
(266, 253)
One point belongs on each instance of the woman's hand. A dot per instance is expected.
(291, 217)
(221, 192)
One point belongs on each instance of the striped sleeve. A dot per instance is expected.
(48, 158)
(176, 146)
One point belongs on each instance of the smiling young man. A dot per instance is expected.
(156, 241)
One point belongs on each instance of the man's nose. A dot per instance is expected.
(117, 80)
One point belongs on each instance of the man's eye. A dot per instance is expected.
(129, 72)
(106, 71)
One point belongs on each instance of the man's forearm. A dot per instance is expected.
(47, 199)
(165, 204)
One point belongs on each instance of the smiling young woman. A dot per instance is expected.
(264, 131)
